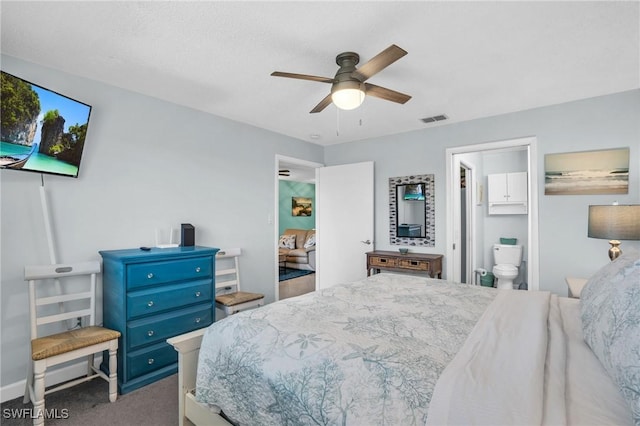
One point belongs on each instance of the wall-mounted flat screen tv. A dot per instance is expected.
(41, 131)
(414, 192)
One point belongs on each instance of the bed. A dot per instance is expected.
(399, 349)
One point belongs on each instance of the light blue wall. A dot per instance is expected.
(565, 250)
(149, 164)
(290, 189)
(146, 164)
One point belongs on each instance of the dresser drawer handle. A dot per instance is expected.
(382, 260)
(197, 294)
(151, 361)
(414, 262)
(198, 320)
(197, 269)
(150, 333)
(150, 275)
(150, 304)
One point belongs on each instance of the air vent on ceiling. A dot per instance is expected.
(434, 118)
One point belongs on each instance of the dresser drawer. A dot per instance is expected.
(145, 274)
(153, 358)
(415, 265)
(153, 301)
(156, 328)
(382, 261)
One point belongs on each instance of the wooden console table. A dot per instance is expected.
(411, 262)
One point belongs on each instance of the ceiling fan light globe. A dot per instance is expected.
(347, 99)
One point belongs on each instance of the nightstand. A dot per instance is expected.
(575, 286)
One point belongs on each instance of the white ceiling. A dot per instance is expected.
(465, 59)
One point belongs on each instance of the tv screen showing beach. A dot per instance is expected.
(41, 131)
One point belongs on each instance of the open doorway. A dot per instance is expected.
(467, 253)
(295, 215)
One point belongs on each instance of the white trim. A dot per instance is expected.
(530, 143)
(53, 377)
(470, 214)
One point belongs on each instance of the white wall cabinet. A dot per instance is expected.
(507, 193)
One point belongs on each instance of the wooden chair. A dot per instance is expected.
(232, 302)
(71, 309)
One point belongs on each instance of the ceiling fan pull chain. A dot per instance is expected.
(337, 121)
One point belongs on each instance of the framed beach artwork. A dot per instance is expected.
(587, 172)
(301, 206)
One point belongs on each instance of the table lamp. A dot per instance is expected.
(614, 222)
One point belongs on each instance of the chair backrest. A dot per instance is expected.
(227, 271)
(67, 297)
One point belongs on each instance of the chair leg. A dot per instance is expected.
(38, 392)
(113, 372)
(90, 365)
(29, 384)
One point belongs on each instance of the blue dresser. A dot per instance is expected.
(149, 296)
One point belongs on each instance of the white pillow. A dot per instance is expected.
(311, 241)
(287, 241)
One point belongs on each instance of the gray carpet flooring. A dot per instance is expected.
(88, 404)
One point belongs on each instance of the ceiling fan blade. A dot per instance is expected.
(322, 105)
(386, 94)
(302, 76)
(379, 62)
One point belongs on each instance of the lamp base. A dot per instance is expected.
(614, 251)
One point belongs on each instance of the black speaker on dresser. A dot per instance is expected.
(188, 233)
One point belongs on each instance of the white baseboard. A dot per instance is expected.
(54, 377)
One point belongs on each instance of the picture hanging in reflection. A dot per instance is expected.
(301, 206)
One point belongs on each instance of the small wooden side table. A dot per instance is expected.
(575, 286)
(418, 263)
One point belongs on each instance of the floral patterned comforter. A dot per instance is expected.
(363, 353)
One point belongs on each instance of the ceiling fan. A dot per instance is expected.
(348, 87)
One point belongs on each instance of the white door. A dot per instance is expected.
(344, 199)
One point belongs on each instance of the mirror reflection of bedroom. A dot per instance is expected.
(296, 229)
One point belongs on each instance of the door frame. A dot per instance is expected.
(528, 143)
(470, 218)
(276, 215)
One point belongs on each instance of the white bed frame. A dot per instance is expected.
(191, 411)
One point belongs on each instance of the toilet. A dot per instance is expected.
(507, 259)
